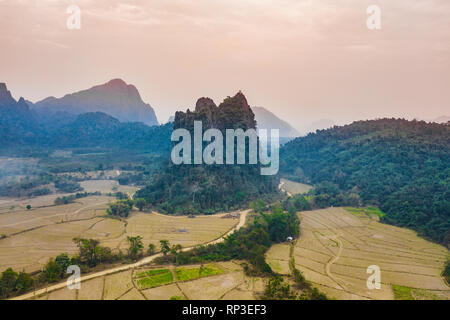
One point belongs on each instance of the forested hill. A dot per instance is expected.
(204, 188)
(401, 166)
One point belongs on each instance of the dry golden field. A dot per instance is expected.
(292, 187)
(278, 258)
(336, 247)
(33, 236)
(231, 284)
(106, 186)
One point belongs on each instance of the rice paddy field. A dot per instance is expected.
(106, 186)
(337, 246)
(29, 238)
(292, 187)
(222, 280)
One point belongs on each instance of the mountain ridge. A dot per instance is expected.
(115, 97)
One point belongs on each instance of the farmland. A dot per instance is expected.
(150, 283)
(336, 247)
(32, 236)
(292, 187)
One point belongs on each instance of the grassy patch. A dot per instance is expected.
(370, 211)
(155, 280)
(402, 293)
(150, 272)
(406, 293)
(184, 274)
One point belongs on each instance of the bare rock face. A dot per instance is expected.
(232, 113)
(115, 98)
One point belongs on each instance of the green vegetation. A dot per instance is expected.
(151, 249)
(71, 198)
(370, 211)
(150, 272)
(308, 291)
(67, 186)
(400, 166)
(446, 272)
(27, 186)
(188, 189)
(407, 293)
(120, 208)
(12, 283)
(136, 247)
(140, 203)
(248, 243)
(277, 289)
(184, 274)
(155, 280)
(92, 254)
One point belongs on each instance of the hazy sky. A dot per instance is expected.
(302, 59)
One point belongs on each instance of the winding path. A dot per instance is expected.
(333, 260)
(141, 262)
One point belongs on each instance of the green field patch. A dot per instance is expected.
(406, 293)
(151, 272)
(155, 280)
(369, 211)
(402, 293)
(184, 274)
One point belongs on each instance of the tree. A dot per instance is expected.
(8, 282)
(165, 247)
(151, 249)
(258, 205)
(176, 248)
(135, 247)
(120, 208)
(52, 271)
(24, 282)
(140, 203)
(28, 207)
(87, 250)
(63, 261)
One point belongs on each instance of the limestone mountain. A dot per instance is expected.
(186, 189)
(231, 114)
(116, 98)
(18, 124)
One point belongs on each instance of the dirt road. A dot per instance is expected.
(142, 262)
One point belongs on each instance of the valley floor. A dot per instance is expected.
(229, 282)
(31, 237)
(336, 247)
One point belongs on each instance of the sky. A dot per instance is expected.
(304, 60)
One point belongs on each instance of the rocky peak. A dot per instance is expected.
(205, 104)
(5, 95)
(233, 112)
(116, 83)
(242, 100)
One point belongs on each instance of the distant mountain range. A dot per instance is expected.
(18, 124)
(116, 98)
(22, 127)
(441, 119)
(267, 120)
